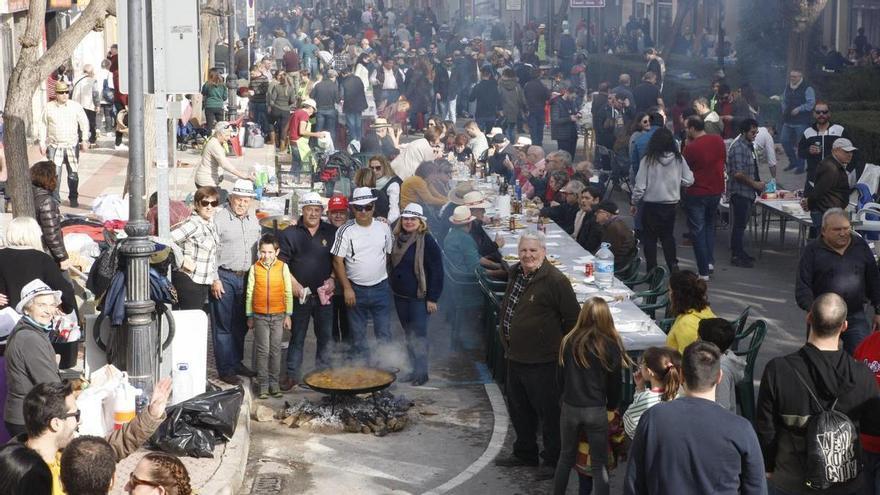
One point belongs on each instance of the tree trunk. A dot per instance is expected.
(685, 7)
(209, 31)
(30, 70)
(801, 15)
(798, 47)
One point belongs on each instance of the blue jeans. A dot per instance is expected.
(261, 116)
(585, 484)
(390, 96)
(790, 135)
(413, 315)
(740, 209)
(701, 212)
(447, 109)
(228, 323)
(371, 302)
(322, 317)
(355, 125)
(325, 120)
(536, 128)
(857, 330)
(871, 485)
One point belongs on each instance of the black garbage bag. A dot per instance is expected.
(194, 427)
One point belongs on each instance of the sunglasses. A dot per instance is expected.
(207, 203)
(72, 415)
(362, 207)
(134, 482)
(821, 112)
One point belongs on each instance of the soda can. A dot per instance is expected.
(588, 269)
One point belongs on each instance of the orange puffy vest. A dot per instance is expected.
(268, 295)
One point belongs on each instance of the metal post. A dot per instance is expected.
(231, 76)
(137, 247)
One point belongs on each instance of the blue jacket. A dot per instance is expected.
(403, 277)
(640, 147)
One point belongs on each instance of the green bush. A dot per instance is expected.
(856, 84)
(864, 130)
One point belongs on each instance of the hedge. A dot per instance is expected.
(864, 129)
(857, 84)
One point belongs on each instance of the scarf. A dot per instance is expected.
(401, 246)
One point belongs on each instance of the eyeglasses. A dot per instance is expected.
(207, 203)
(821, 112)
(134, 482)
(362, 207)
(72, 415)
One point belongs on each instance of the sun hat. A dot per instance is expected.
(475, 199)
(337, 203)
(461, 215)
(311, 199)
(34, 288)
(844, 144)
(362, 196)
(522, 141)
(456, 194)
(380, 123)
(308, 102)
(499, 139)
(61, 87)
(413, 210)
(607, 206)
(243, 188)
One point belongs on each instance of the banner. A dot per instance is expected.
(575, 4)
(251, 13)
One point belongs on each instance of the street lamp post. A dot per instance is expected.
(231, 76)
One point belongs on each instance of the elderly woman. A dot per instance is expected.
(198, 239)
(30, 358)
(213, 163)
(23, 260)
(44, 179)
(416, 278)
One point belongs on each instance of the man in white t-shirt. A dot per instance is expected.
(359, 262)
(765, 148)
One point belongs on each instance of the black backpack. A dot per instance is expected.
(832, 446)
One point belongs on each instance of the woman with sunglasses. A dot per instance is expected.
(388, 184)
(640, 125)
(159, 473)
(198, 239)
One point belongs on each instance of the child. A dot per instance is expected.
(268, 305)
(662, 368)
(721, 333)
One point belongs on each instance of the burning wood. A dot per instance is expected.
(380, 413)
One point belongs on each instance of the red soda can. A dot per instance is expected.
(588, 269)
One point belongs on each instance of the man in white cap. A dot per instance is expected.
(831, 188)
(305, 247)
(62, 120)
(300, 132)
(360, 254)
(239, 231)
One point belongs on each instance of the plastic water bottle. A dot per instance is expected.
(604, 266)
(517, 190)
(181, 384)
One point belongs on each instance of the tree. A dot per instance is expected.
(30, 70)
(685, 7)
(800, 16)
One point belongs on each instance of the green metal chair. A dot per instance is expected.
(629, 272)
(459, 284)
(491, 307)
(739, 325)
(665, 324)
(745, 388)
(655, 297)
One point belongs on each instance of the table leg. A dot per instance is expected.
(765, 229)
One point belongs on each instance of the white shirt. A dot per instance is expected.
(765, 148)
(82, 92)
(61, 123)
(478, 145)
(411, 156)
(365, 250)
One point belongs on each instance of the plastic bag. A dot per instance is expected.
(194, 427)
(110, 207)
(96, 401)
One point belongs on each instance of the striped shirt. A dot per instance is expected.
(199, 240)
(61, 124)
(641, 403)
(237, 250)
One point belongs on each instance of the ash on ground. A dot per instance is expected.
(380, 413)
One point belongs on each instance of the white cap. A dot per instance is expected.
(311, 199)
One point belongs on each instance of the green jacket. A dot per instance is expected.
(461, 251)
(215, 95)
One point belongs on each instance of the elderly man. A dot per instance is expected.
(306, 249)
(62, 121)
(841, 262)
(564, 214)
(831, 188)
(798, 101)
(539, 307)
(360, 253)
(239, 232)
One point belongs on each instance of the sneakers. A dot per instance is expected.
(263, 396)
(74, 203)
(742, 262)
(514, 461)
(704, 277)
(121, 147)
(245, 371)
(711, 269)
(274, 392)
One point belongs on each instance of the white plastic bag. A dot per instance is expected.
(96, 401)
(110, 207)
(871, 177)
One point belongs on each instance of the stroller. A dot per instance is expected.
(190, 136)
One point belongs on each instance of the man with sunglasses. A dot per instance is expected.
(816, 141)
(360, 253)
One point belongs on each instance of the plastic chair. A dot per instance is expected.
(492, 304)
(665, 324)
(654, 297)
(629, 272)
(459, 284)
(745, 388)
(739, 325)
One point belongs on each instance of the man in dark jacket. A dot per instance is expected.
(485, 93)
(831, 188)
(539, 307)
(819, 376)
(447, 84)
(816, 140)
(501, 162)
(354, 102)
(563, 121)
(564, 213)
(587, 231)
(513, 102)
(326, 96)
(617, 233)
(647, 94)
(536, 94)
(841, 262)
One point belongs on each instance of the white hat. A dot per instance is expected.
(461, 215)
(311, 199)
(475, 199)
(362, 196)
(34, 288)
(523, 141)
(843, 143)
(243, 188)
(494, 131)
(413, 210)
(308, 102)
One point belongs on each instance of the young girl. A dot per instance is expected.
(661, 366)
(592, 358)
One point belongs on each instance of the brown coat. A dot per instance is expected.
(133, 434)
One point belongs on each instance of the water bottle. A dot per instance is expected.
(604, 266)
(517, 190)
(181, 385)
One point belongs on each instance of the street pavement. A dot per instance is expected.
(449, 445)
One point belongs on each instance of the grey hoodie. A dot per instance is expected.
(733, 369)
(661, 181)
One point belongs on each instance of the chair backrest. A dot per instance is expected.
(658, 284)
(486, 287)
(740, 323)
(758, 330)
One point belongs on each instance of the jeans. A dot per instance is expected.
(268, 330)
(413, 315)
(355, 125)
(447, 109)
(229, 323)
(816, 217)
(390, 96)
(325, 120)
(92, 116)
(658, 222)
(109, 117)
(278, 120)
(509, 129)
(740, 209)
(593, 421)
(212, 116)
(536, 128)
(373, 301)
(322, 317)
(585, 484)
(72, 175)
(858, 328)
(533, 399)
(790, 135)
(261, 116)
(569, 145)
(701, 213)
(871, 484)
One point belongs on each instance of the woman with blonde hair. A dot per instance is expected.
(592, 358)
(388, 183)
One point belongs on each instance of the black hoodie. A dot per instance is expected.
(784, 406)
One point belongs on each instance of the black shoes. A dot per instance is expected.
(245, 371)
(742, 262)
(231, 379)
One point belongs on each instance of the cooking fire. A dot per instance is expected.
(379, 413)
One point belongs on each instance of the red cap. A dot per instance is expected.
(337, 203)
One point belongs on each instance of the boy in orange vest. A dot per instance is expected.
(269, 305)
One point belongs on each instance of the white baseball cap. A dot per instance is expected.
(243, 188)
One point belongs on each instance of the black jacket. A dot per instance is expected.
(561, 125)
(563, 214)
(810, 137)
(646, 95)
(20, 266)
(326, 94)
(784, 406)
(537, 95)
(448, 85)
(853, 276)
(592, 386)
(485, 93)
(831, 187)
(353, 94)
(49, 218)
(418, 91)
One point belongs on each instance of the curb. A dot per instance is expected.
(229, 476)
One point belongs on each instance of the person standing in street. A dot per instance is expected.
(447, 84)
(306, 249)
(513, 103)
(354, 102)
(62, 121)
(798, 101)
(537, 95)
(705, 155)
(281, 100)
(238, 232)
(831, 188)
(85, 92)
(214, 94)
(816, 141)
(563, 121)
(743, 184)
(485, 94)
(326, 96)
(360, 254)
